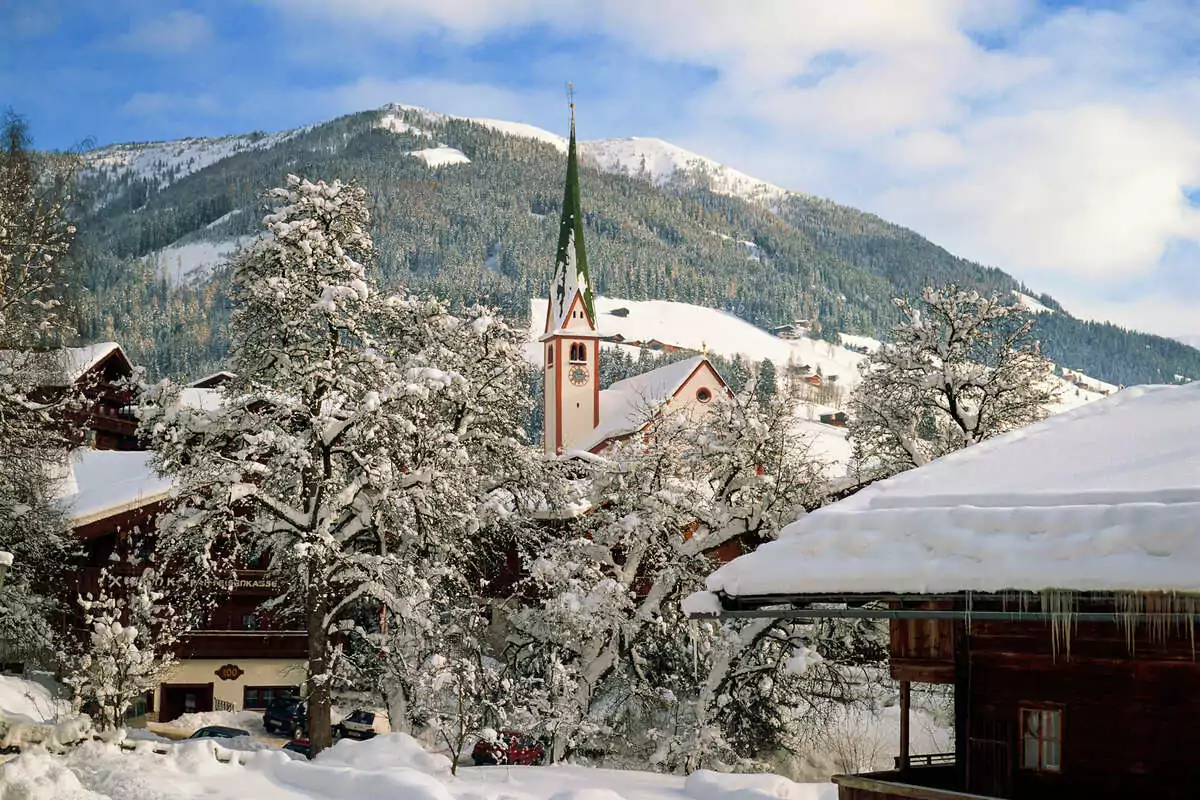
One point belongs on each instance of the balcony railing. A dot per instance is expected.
(927, 760)
(931, 777)
(902, 786)
(244, 644)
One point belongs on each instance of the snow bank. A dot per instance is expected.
(707, 785)
(586, 794)
(1105, 496)
(28, 701)
(190, 723)
(33, 776)
(389, 765)
(385, 751)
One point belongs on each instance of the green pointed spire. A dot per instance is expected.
(570, 262)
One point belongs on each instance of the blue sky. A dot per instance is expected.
(1057, 140)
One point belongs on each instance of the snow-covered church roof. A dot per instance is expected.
(1102, 497)
(627, 406)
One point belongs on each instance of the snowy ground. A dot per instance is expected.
(388, 767)
(139, 765)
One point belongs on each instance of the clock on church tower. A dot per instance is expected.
(578, 374)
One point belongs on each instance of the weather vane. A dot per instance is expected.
(571, 95)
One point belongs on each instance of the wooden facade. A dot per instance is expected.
(236, 630)
(1047, 707)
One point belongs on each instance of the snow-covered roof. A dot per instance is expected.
(64, 367)
(215, 378)
(101, 483)
(81, 359)
(625, 406)
(1103, 497)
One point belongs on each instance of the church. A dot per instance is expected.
(580, 417)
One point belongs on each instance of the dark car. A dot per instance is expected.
(299, 746)
(287, 714)
(509, 747)
(218, 732)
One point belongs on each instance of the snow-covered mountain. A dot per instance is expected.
(651, 159)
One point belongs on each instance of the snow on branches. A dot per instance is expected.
(363, 446)
(128, 648)
(959, 369)
(605, 642)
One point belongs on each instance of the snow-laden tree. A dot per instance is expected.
(35, 283)
(460, 692)
(364, 441)
(775, 686)
(959, 368)
(605, 640)
(130, 628)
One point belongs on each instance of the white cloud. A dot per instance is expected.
(179, 31)
(1095, 191)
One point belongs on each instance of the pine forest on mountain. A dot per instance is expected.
(485, 231)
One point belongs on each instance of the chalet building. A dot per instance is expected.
(1057, 595)
(113, 496)
(579, 416)
(838, 419)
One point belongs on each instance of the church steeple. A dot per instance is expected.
(570, 262)
(571, 389)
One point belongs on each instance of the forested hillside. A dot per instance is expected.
(485, 230)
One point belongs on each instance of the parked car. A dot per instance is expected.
(218, 732)
(298, 746)
(509, 747)
(363, 723)
(287, 714)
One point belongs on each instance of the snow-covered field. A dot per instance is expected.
(695, 327)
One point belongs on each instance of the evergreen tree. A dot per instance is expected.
(764, 387)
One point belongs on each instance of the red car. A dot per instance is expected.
(509, 747)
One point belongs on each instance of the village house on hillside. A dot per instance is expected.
(1051, 576)
(579, 415)
(112, 496)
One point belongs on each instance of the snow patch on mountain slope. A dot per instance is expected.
(692, 327)
(179, 263)
(1032, 303)
(441, 156)
(661, 162)
(167, 162)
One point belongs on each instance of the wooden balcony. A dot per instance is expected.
(938, 782)
(244, 644)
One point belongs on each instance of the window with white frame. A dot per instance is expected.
(1041, 739)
